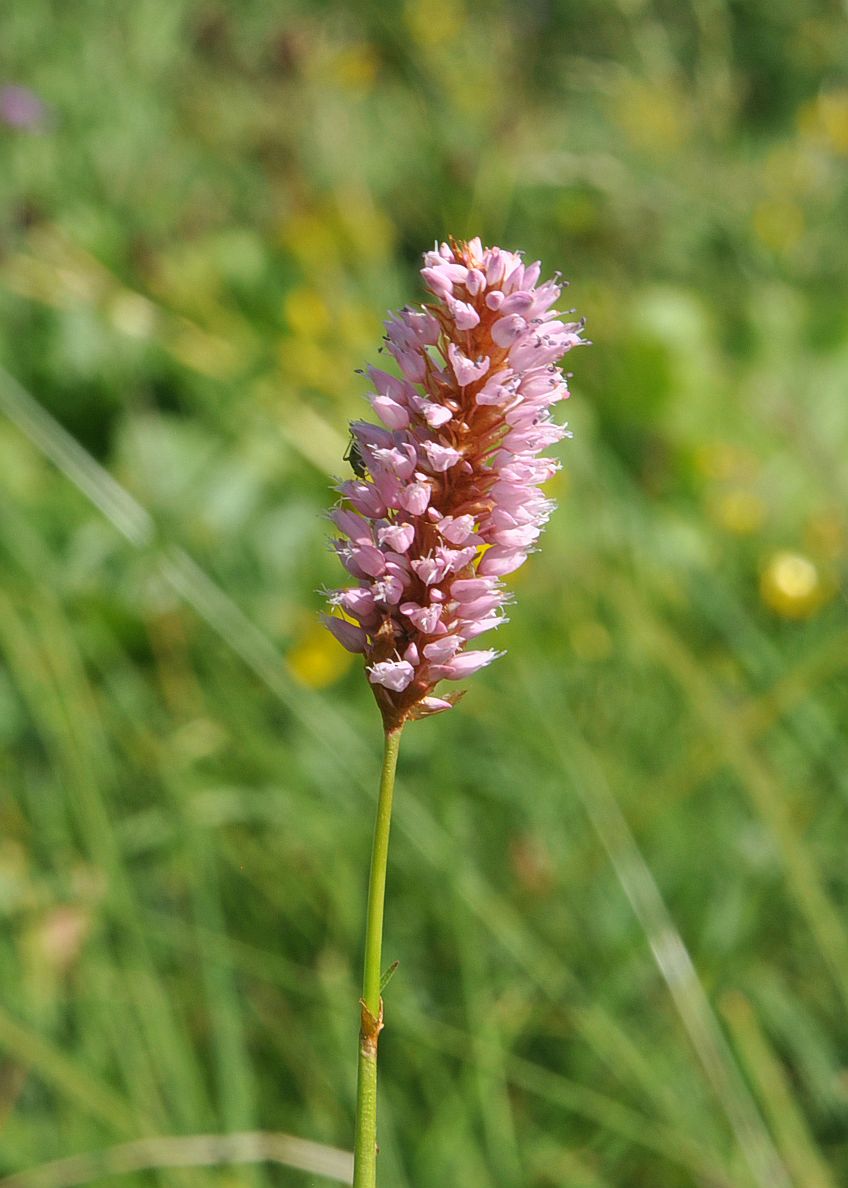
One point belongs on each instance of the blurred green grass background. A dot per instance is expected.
(202, 228)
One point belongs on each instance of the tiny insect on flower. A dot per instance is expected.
(445, 501)
(353, 456)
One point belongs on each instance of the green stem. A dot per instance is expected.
(365, 1142)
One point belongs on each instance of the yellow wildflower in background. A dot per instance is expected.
(316, 660)
(792, 586)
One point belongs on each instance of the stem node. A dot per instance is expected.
(370, 1027)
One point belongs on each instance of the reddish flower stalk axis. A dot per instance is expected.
(446, 500)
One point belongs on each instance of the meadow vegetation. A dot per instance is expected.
(202, 229)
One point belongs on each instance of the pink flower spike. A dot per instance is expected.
(446, 498)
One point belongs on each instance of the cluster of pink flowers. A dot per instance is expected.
(446, 497)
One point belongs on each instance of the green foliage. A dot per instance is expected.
(199, 243)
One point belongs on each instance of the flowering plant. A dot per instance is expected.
(447, 499)
(444, 503)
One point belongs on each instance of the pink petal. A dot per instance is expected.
(400, 460)
(414, 498)
(357, 601)
(412, 363)
(508, 330)
(465, 316)
(443, 649)
(425, 618)
(495, 266)
(518, 303)
(463, 665)
(440, 457)
(456, 529)
(369, 559)
(465, 369)
(434, 414)
(354, 526)
(388, 589)
(364, 496)
(437, 282)
(472, 630)
(499, 560)
(388, 487)
(348, 634)
(389, 385)
(397, 536)
(392, 674)
(432, 705)
(531, 274)
(464, 589)
(456, 559)
(521, 537)
(390, 412)
(430, 570)
(478, 608)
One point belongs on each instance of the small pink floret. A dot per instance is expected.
(465, 665)
(466, 370)
(392, 674)
(348, 634)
